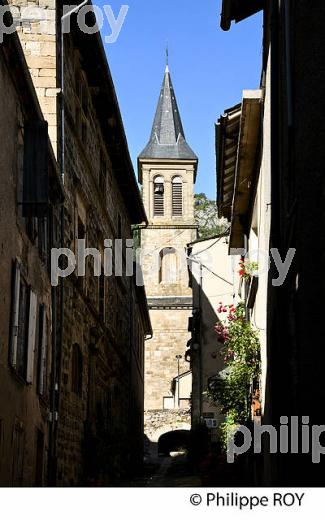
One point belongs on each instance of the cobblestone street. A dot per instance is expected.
(173, 471)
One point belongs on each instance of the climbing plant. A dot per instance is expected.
(230, 388)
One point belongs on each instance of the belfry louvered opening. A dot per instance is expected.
(158, 197)
(177, 196)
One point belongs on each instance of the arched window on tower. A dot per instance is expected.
(158, 197)
(168, 272)
(177, 196)
(77, 369)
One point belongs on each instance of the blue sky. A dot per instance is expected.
(209, 69)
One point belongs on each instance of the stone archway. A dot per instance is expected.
(158, 422)
(166, 429)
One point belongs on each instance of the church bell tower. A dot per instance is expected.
(167, 172)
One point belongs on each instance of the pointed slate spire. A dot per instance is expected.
(167, 140)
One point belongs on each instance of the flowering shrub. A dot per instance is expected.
(247, 269)
(230, 388)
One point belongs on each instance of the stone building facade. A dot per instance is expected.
(167, 172)
(283, 210)
(96, 420)
(27, 306)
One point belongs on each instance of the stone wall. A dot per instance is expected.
(24, 408)
(100, 397)
(37, 35)
(159, 422)
(169, 339)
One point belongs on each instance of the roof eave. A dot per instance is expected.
(238, 10)
(149, 160)
(247, 165)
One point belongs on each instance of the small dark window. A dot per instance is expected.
(43, 239)
(81, 230)
(119, 226)
(102, 295)
(77, 370)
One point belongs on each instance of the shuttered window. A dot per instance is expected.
(177, 197)
(35, 169)
(42, 350)
(31, 337)
(14, 314)
(23, 326)
(158, 200)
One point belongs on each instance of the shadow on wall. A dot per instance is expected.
(207, 361)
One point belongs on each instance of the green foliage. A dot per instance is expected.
(206, 217)
(227, 428)
(230, 388)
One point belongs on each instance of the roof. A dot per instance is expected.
(227, 132)
(212, 237)
(238, 139)
(238, 10)
(167, 139)
(247, 168)
(109, 116)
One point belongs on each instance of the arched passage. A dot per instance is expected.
(175, 440)
(157, 433)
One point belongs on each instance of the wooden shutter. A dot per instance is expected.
(14, 313)
(177, 199)
(158, 199)
(36, 174)
(42, 349)
(31, 337)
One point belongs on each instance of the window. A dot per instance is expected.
(77, 369)
(21, 347)
(81, 229)
(23, 326)
(18, 442)
(168, 266)
(119, 226)
(177, 197)
(43, 239)
(33, 182)
(42, 350)
(101, 294)
(158, 197)
(168, 403)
